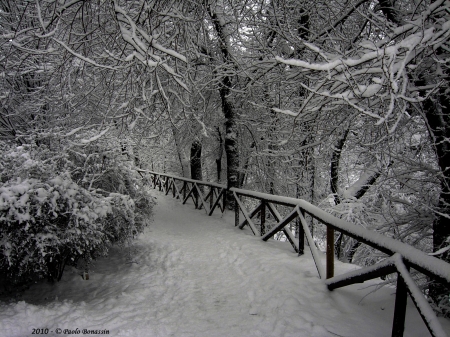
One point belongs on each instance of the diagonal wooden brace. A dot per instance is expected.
(280, 225)
(205, 205)
(247, 216)
(217, 202)
(286, 230)
(312, 246)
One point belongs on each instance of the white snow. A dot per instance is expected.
(440, 251)
(81, 57)
(194, 275)
(70, 133)
(285, 111)
(363, 180)
(94, 138)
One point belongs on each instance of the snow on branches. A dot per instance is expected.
(378, 77)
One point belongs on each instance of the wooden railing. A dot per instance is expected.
(402, 257)
(185, 189)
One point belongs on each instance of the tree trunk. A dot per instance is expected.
(437, 114)
(181, 156)
(219, 156)
(334, 167)
(231, 143)
(272, 148)
(245, 167)
(352, 251)
(231, 129)
(196, 160)
(196, 166)
(357, 191)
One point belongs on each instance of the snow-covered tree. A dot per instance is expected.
(394, 73)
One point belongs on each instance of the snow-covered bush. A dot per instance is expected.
(110, 174)
(53, 213)
(45, 224)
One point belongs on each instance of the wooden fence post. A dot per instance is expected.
(401, 296)
(195, 193)
(236, 210)
(173, 188)
(224, 201)
(301, 235)
(330, 252)
(211, 197)
(184, 190)
(262, 214)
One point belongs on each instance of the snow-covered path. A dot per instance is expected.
(193, 275)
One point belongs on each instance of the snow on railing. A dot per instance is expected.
(193, 189)
(402, 256)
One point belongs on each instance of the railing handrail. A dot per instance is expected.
(402, 255)
(199, 182)
(429, 265)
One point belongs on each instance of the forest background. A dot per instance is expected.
(341, 103)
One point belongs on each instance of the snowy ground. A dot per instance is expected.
(194, 275)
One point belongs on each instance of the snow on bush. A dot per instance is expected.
(48, 218)
(45, 224)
